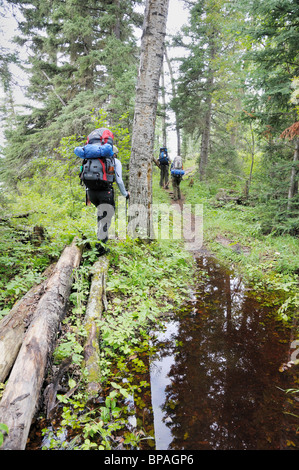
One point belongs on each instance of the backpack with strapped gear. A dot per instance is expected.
(98, 173)
(163, 156)
(98, 168)
(101, 136)
(94, 151)
(177, 167)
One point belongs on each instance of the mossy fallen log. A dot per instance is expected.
(95, 306)
(22, 392)
(13, 325)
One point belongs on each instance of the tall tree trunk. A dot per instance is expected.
(151, 59)
(117, 25)
(248, 182)
(164, 133)
(205, 140)
(293, 176)
(177, 127)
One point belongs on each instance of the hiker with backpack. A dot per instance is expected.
(164, 167)
(99, 170)
(177, 173)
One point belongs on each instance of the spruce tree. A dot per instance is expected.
(273, 63)
(208, 90)
(81, 58)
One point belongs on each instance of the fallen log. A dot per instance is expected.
(21, 395)
(96, 302)
(20, 216)
(51, 390)
(13, 325)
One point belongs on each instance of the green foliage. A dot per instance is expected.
(265, 262)
(73, 66)
(144, 282)
(254, 74)
(3, 430)
(53, 198)
(21, 264)
(269, 190)
(210, 69)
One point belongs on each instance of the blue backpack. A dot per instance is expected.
(163, 157)
(177, 172)
(177, 167)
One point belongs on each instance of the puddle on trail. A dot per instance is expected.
(215, 380)
(216, 383)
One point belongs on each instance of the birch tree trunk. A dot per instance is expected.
(151, 59)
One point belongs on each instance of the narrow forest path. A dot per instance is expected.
(197, 221)
(191, 222)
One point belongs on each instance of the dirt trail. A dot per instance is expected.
(193, 233)
(191, 224)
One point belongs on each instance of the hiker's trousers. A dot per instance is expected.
(164, 175)
(176, 180)
(105, 204)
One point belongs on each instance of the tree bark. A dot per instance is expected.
(164, 133)
(293, 176)
(151, 59)
(177, 127)
(22, 392)
(205, 140)
(248, 181)
(96, 301)
(13, 325)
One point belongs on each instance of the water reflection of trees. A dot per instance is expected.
(223, 392)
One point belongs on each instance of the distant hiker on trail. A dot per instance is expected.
(99, 170)
(164, 167)
(177, 173)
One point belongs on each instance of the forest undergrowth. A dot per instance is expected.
(233, 233)
(146, 281)
(234, 97)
